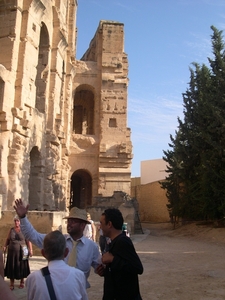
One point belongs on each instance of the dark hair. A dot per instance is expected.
(114, 215)
(54, 245)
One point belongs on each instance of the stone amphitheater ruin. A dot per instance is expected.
(64, 137)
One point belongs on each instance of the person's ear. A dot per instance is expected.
(110, 224)
(66, 252)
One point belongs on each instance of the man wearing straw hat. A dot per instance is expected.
(83, 252)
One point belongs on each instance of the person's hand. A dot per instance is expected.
(4, 249)
(20, 208)
(100, 270)
(107, 258)
(30, 253)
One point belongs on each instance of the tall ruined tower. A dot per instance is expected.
(101, 149)
(64, 139)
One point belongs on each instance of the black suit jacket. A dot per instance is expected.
(121, 276)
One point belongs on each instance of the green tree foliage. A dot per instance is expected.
(195, 183)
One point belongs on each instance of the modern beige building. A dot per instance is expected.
(153, 170)
(64, 139)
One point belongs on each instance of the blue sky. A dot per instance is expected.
(162, 39)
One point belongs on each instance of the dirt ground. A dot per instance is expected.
(182, 264)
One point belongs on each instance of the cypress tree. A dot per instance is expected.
(195, 183)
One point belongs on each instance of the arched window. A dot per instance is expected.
(83, 115)
(42, 69)
(2, 87)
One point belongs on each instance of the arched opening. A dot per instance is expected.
(2, 87)
(42, 69)
(83, 115)
(81, 189)
(35, 180)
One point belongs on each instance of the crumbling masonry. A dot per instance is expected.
(64, 139)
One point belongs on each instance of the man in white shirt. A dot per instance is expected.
(88, 254)
(68, 283)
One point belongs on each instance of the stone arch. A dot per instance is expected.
(81, 189)
(35, 184)
(42, 69)
(83, 110)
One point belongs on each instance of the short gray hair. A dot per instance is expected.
(54, 245)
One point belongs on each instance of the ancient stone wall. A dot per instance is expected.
(152, 202)
(64, 138)
(37, 47)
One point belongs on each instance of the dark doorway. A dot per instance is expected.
(35, 179)
(81, 189)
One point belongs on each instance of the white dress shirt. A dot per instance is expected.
(69, 283)
(88, 254)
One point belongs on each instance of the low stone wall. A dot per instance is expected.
(43, 221)
(128, 213)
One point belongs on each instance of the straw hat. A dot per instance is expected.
(76, 213)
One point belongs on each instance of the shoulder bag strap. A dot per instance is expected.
(45, 272)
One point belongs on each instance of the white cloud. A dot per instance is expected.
(200, 47)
